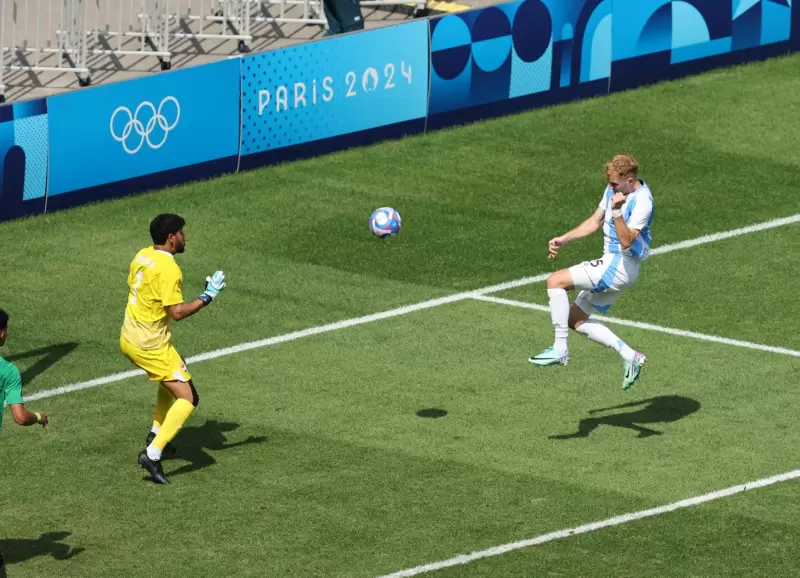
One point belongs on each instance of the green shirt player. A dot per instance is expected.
(11, 394)
(11, 387)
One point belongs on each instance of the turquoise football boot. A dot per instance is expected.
(550, 356)
(632, 370)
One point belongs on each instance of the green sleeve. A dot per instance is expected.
(13, 386)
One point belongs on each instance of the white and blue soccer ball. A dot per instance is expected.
(384, 222)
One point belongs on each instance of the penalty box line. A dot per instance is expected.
(650, 327)
(591, 527)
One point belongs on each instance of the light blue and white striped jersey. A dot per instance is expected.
(638, 214)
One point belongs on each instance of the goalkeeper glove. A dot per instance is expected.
(214, 284)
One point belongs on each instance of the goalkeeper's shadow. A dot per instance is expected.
(16, 550)
(47, 357)
(194, 442)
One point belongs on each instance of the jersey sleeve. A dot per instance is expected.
(171, 286)
(131, 274)
(604, 199)
(13, 386)
(641, 212)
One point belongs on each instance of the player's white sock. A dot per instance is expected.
(559, 311)
(603, 335)
(155, 429)
(626, 352)
(153, 452)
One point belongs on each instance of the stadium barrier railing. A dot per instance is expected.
(43, 36)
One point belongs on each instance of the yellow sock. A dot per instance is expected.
(164, 401)
(177, 415)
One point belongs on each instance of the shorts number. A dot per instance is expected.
(596, 263)
(139, 277)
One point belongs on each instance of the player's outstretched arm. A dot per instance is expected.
(589, 226)
(214, 285)
(22, 416)
(13, 388)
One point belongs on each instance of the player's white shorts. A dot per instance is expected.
(602, 281)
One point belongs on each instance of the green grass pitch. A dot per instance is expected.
(308, 458)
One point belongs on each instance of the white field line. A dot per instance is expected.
(726, 235)
(615, 521)
(399, 311)
(650, 327)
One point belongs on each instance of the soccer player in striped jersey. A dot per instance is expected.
(625, 213)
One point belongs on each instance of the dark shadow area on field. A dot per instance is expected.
(661, 409)
(49, 356)
(193, 442)
(432, 412)
(15, 550)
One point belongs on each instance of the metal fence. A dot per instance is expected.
(130, 28)
(43, 36)
(93, 37)
(214, 19)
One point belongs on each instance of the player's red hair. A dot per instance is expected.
(621, 165)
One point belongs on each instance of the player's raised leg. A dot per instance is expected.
(557, 286)
(580, 321)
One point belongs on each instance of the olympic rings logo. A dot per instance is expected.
(144, 129)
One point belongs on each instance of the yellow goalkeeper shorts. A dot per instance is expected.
(163, 364)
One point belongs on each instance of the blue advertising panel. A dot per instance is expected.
(537, 51)
(23, 158)
(659, 39)
(334, 87)
(145, 126)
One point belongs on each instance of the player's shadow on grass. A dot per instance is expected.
(192, 443)
(48, 356)
(661, 409)
(17, 550)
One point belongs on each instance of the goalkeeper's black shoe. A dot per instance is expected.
(168, 451)
(153, 467)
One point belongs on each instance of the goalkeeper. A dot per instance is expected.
(156, 298)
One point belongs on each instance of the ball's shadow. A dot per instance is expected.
(432, 413)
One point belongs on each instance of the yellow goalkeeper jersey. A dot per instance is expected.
(155, 281)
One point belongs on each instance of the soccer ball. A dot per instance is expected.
(384, 222)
